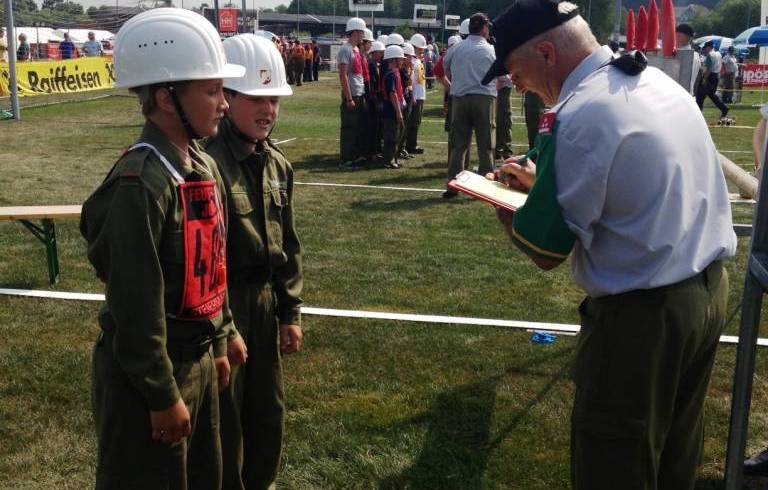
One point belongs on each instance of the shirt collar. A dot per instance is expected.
(240, 148)
(599, 58)
(153, 135)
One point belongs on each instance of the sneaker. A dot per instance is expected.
(757, 466)
(360, 161)
(392, 165)
(416, 151)
(450, 194)
(404, 155)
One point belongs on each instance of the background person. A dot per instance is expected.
(419, 85)
(622, 158)
(161, 356)
(473, 102)
(710, 79)
(730, 68)
(264, 258)
(349, 63)
(24, 51)
(503, 148)
(3, 46)
(92, 47)
(67, 48)
(392, 118)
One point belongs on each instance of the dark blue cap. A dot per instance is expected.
(521, 22)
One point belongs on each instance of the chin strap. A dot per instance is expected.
(236, 131)
(632, 63)
(191, 133)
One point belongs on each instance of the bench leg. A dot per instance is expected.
(47, 235)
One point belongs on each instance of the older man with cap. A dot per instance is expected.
(627, 183)
(473, 99)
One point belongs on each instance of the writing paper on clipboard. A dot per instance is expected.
(482, 189)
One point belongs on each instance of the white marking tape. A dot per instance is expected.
(734, 198)
(285, 141)
(361, 186)
(561, 328)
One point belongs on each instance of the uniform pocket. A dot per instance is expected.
(241, 203)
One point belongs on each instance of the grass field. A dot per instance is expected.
(371, 404)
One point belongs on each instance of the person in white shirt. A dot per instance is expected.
(92, 47)
(419, 86)
(710, 79)
(3, 46)
(627, 184)
(730, 67)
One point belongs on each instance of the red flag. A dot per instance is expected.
(641, 29)
(630, 30)
(651, 39)
(668, 38)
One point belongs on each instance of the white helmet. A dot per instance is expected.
(393, 52)
(169, 45)
(266, 35)
(383, 39)
(418, 41)
(455, 39)
(408, 49)
(377, 46)
(464, 27)
(265, 71)
(355, 24)
(367, 34)
(395, 39)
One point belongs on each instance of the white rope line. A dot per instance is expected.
(362, 186)
(558, 328)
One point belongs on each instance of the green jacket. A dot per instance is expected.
(133, 225)
(261, 236)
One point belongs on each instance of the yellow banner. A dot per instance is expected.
(59, 76)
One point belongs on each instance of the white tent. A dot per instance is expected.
(38, 35)
(79, 36)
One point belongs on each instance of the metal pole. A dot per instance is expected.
(755, 285)
(245, 12)
(442, 30)
(333, 20)
(216, 14)
(11, 40)
(617, 22)
(298, 9)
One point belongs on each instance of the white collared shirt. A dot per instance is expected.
(638, 179)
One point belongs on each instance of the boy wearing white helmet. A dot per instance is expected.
(419, 84)
(349, 62)
(374, 94)
(406, 76)
(392, 118)
(156, 237)
(264, 258)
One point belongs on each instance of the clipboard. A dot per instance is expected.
(495, 193)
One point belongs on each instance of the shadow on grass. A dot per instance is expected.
(442, 165)
(459, 442)
(405, 178)
(436, 112)
(22, 285)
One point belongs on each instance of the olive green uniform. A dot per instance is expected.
(146, 358)
(264, 257)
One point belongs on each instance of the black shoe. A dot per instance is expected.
(757, 466)
(450, 194)
(724, 113)
(416, 151)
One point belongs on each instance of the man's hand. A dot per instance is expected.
(172, 424)
(222, 371)
(519, 177)
(237, 352)
(290, 339)
(350, 104)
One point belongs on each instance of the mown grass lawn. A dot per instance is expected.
(371, 404)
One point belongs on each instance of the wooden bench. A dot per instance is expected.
(46, 231)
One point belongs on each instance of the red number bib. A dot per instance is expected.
(205, 259)
(205, 270)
